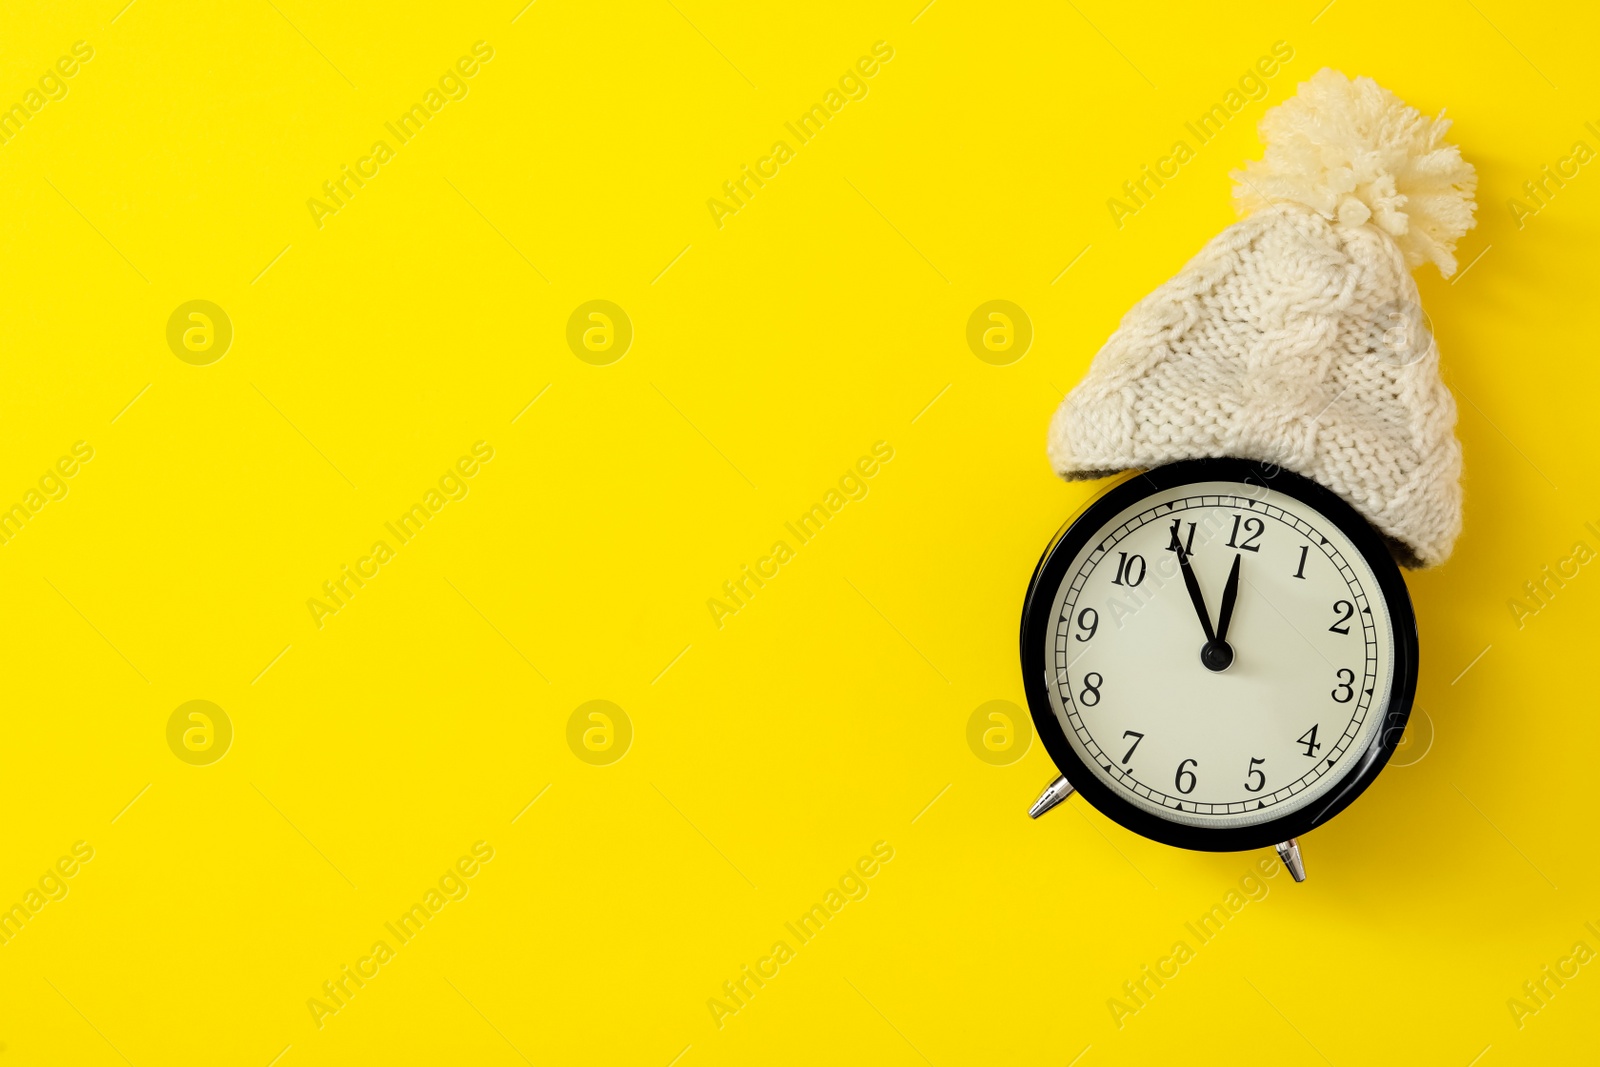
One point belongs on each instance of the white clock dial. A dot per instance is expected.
(1289, 711)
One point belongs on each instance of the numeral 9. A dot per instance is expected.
(1088, 619)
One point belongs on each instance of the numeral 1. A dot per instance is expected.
(1301, 573)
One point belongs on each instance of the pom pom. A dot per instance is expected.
(1356, 154)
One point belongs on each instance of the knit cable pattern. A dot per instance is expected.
(1296, 337)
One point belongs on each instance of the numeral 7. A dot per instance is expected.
(1137, 738)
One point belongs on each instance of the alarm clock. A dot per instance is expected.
(1218, 654)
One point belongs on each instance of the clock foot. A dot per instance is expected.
(1289, 852)
(1053, 794)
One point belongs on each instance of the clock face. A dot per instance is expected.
(1257, 690)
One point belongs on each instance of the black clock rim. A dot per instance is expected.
(1035, 637)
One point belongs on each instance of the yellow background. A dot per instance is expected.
(831, 712)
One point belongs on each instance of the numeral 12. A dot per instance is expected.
(1253, 528)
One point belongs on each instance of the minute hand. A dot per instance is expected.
(1230, 593)
(1192, 584)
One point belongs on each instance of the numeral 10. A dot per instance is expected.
(1125, 570)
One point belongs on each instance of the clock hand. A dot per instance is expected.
(1230, 593)
(1192, 584)
(1217, 654)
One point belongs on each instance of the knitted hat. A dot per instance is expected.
(1296, 336)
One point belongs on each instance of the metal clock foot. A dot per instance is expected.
(1053, 794)
(1289, 852)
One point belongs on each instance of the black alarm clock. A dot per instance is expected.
(1218, 654)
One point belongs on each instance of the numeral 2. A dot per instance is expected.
(1349, 610)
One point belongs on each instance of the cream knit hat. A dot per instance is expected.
(1296, 336)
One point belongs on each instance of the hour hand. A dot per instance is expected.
(1192, 584)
